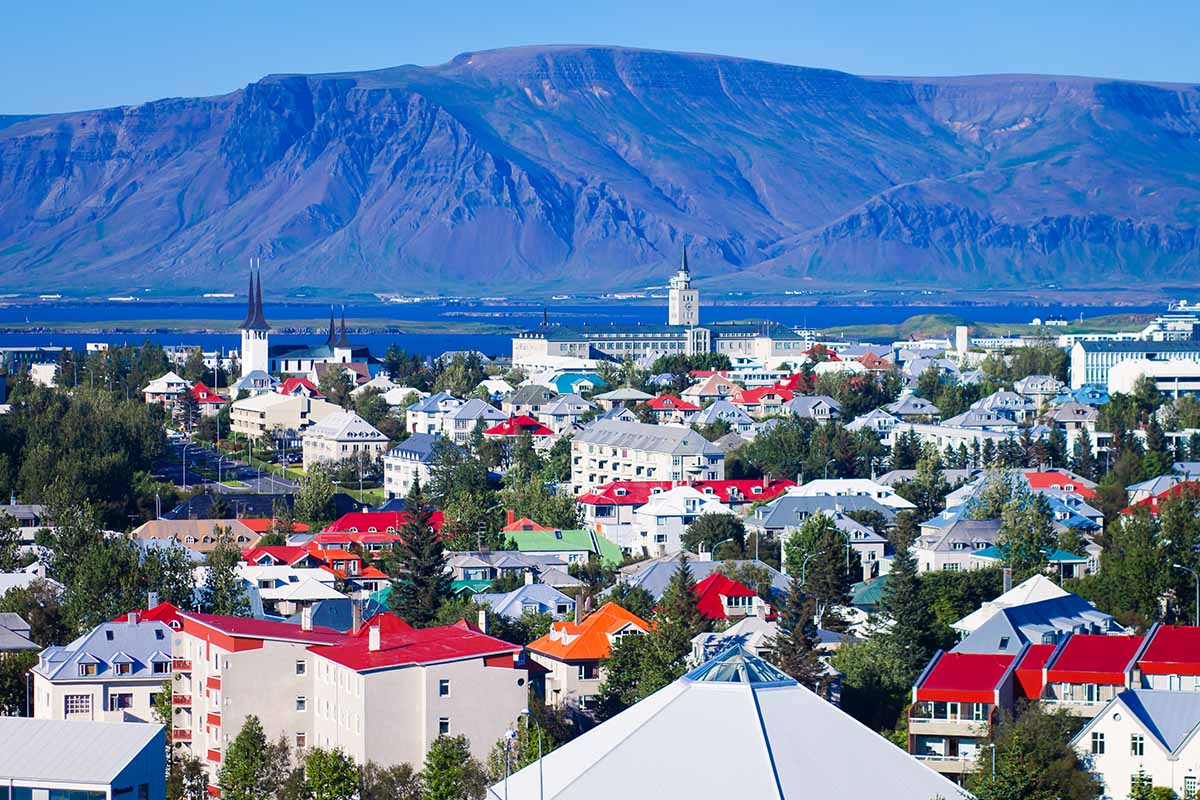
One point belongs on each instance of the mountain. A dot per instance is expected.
(586, 168)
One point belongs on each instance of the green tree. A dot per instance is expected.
(10, 543)
(928, 488)
(399, 782)
(167, 571)
(1035, 761)
(246, 769)
(40, 605)
(1026, 534)
(1083, 459)
(13, 668)
(336, 385)
(451, 772)
(330, 775)
(709, 531)
(420, 583)
(794, 647)
(314, 497)
(223, 592)
(623, 670)
(186, 778)
(904, 607)
(634, 599)
(193, 367)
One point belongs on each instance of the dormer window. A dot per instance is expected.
(123, 668)
(87, 670)
(108, 635)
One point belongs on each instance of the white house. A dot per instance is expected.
(340, 436)
(662, 520)
(853, 487)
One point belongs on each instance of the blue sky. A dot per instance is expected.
(69, 54)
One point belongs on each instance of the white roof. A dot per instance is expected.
(851, 487)
(735, 727)
(381, 382)
(673, 503)
(1034, 590)
(71, 751)
(345, 425)
(167, 383)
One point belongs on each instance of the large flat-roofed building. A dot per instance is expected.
(610, 450)
(43, 759)
(1091, 361)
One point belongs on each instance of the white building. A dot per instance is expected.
(409, 462)
(166, 390)
(1172, 377)
(853, 487)
(1091, 360)
(608, 450)
(270, 413)
(342, 435)
(659, 524)
(683, 302)
(1145, 733)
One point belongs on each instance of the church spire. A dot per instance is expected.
(249, 303)
(331, 340)
(255, 321)
(683, 265)
(342, 340)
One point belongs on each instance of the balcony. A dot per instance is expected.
(1076, 708)
(214, 720)
(181, 700)
(948, 765)
(925, 726)
(181, 735)
(181, 664)
(213, 682)
(214, 756)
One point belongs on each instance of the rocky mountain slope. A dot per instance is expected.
(546, 168)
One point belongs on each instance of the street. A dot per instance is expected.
(202, 462)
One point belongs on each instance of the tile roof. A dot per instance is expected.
(589, 639)
(405, 648)
(202, 394)
(964, 677)
(1172, 650)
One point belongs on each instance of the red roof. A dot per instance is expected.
(381, 522)
(202, 394)
(636, 493)
(264, 524)
(1093, 658)
(1029, 670)
(794, 383)
(710, 591)
(279, 554)
(515, 426)
(248, 628)
(965, 678)
(872, 361)
(387, 623)
(669, 402)
(299, 386)
(522, 524)
(401, 648)
(753, 397)
(1173, 650)
(164, 612)
(1053, 479)
(1191, 488)
(820, 350)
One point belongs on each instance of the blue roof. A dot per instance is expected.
(1043, 622)
(140, 643)
(739, 665)
(568, 381)
(999, 552)
(1170, 717)
(512, 604)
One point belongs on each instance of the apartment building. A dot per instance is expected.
(409, 462)
(610, 450)
(1092, 360)
(113, 673)
(271, 413)
(339, 436)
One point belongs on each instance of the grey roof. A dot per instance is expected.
(803, 405)
(75, 751)
(721, 410)
(640, 436)
(912, 406)
(14, 633)
(974, 418)
(654, 578)
(1044, 622)
(418, 447)
(1139, 346)
(955, 477)
(625, 394)
(478, 409)
(430, 405)
(531, 395)
(1170, 717)
(974, 533)
(512, 604)
(790, 511)
(620, 413)
(568, 404)
(1155, 485)
(143, 642)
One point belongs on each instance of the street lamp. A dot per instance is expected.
(712, 551)
(1196, 607)
(185, 449)
(827, 463)
(993, 747)
(541, 783)
(804, 567)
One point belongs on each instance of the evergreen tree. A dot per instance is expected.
(677, 622)
(246, 769)
(421, 584)
(903, 605)
(1158, 457)
(314, 497)
(1026, 533)
(451, 772)
(222, 592)
(794, 648)
(712, 530)
(193, 368)
(1084, 461)
(330, 775)
(10, 543)
(1034, 761)
(1056, 448)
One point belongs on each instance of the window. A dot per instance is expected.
(116, 702)
(1137, 744)
(443, 688)
(1003, 643)
(301, 666)
(108, 635)
(301, 703)
(158, 634)
(1189, 787)
(162, 667)
(301, 740)
(124, 668)
(443, 726)
(153, 699)
(1097, 743)
(74, 704)
(589, 672)
(143, 792)
(87, 670)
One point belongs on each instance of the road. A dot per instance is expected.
(199, 457)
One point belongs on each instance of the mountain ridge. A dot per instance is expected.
(561, 167)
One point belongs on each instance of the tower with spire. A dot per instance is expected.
(683, 304)
(343, 351)
(255, 331)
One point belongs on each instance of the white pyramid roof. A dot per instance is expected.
(734, 728)
(1034, 590)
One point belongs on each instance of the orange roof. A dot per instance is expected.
(588, 640)
(524, 524)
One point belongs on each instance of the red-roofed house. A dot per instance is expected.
(522, 524)
(387, 693)
(1170, 659)
(1088, 670)
(874, 363)
(669, 408)
(1030, 670)
(164, 612)
(280, 556)
(609, 509)
(721, 597)
(797, 382)
(956, 700)
(517, 426)
(764, 401)
(373, 531)
(1182, 489)
(262, 525)
(300, 387)
(208, 401)
(1062, 480)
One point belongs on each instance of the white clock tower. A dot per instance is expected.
(683, 305)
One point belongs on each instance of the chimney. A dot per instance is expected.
(528, 577)
(1007, 578)
(373, 639)
(355, 617)
(482, 620)
(131, 618)
(509, 517)
(577, 609)
(151, 600)
(306, 618)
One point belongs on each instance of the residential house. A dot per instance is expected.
(571, 546)
(200, 535)
(528, 400)
(342, 436)
(1039, 389)
(297, 386)
(428, 414)
(853, 487)
(166, 390)
(285, 590)
(1086, 671)
(912, 408)
(948, 540)
(57, 759)
(14, 634)
(821, 408)
(710, 389)
(973, 419)
(517, 427)
(208, 402)
(669, 408)
(1009, 405)
(765, 401)
(1031, 590)
(532, 598)
(623, 397)
(660, 522)
(113, 673)
(459, 423)
(876, 420)
(1042, 622)
(410, 462)
(483, 567)
(719, 597)
(272, 414)
(608, 451)
(562, 413)
(784, 515)
(657, 573)
(724, 411)
(574, 654)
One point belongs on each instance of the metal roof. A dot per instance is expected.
(73, 751)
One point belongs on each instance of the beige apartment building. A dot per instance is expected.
(342, 435)
(270, 412)
(610, 450)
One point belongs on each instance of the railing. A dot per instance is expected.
(181, 664)
(214, 756)
(214, 719)
(181, 735)
(181, 699)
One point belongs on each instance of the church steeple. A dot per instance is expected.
(342, 340)
(683, 265)
(331, 340)
(255, 321)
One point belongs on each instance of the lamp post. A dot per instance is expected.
(541, 783)
(1196, 607)
(185, 449)
(804, 567)
(827, 463)
(712, 551)
(993, 747)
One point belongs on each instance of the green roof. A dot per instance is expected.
(554, 541)
(999, 552)
(382, 595)
(868, 593)
(474, 587)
